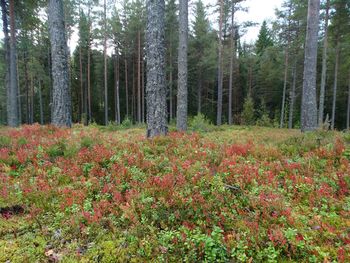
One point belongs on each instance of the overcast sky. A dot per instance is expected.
(258, 11)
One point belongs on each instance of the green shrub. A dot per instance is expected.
(5, 141)
(127, 123)
(200, 123)
(86, 142)
(248, 114)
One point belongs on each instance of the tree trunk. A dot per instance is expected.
(139, 78)
(182, 92)
(61, 94)
(13, 114)
(292, 96)
(309, 103)
(171, 82)
(81, 86)
(220, 73)
(126, 87)
(230, 86)
(31, 99)
(105, 62)
(89, 117)
(199, 92)
(156, 88)
(41, 104)
(117, 103)
(19, 96)
(324, 67)
(7, 53)
(348, 109)
(335, 86)
(286, 66)
(133, 96)
(143, 91)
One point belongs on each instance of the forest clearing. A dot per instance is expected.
(239, 194)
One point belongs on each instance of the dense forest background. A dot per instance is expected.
(261, 81)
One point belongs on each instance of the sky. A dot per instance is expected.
(258, 11)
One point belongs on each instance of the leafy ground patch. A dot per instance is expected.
(235, 194)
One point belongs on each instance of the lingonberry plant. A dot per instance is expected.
(233, 195)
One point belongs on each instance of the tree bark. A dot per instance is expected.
(182, 92)
(230, 86)
(199, 92)
(171, 82)
(116, 76)
(335, 84)
(143, 91)
(324, 67)
(105, 62)
(13, 113)
(348, 109)
(286, 66)
(309, 103)
(41, 103)
(81, 85)
(220, 73)
(139, 77)
(156, 88)
(126, 87)
(292, 96)
(61, 94)
(7, 53)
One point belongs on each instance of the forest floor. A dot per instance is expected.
(238, 194)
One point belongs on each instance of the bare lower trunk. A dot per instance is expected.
(292, 96)
(182, 92)
(81, 85)
(324, 68)
(143, 91)
(126, 87)
(309, 103)
(116, 87)
(13, 93)
(199, 93)
(220, 73)
(105, 63)
(7, 53)
(139, 78)
(230, 86)
(171, 82)
(61, 92)
(286, 66)
(335, 84)
(156, 88)
(41, 104)
(19, 96)
(348, 109)
(89, 117)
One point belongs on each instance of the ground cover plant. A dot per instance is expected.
(241, 194)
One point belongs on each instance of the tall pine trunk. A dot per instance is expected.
(335, 83)
(220, 73)
(171, 82)
(105, 63)
(348, 108)
(309, 103)
(139, 77)
(81, 85)
(156, 87)
(13, 93)
(116, 88)
(126, 87)
(324, 67)
(182, 92)
(232, 54)
(61, 116)
(286, 67)
(292, 95)
(7, 53)
(40, 103)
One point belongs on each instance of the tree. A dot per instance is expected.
(12, 117)
(61, 114)
(182, 92)
(4, 10)
(155, 54)
(309, 104)
(264, 39)
(324, 66)
(220, 65)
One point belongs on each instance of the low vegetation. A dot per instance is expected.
(239, 194)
